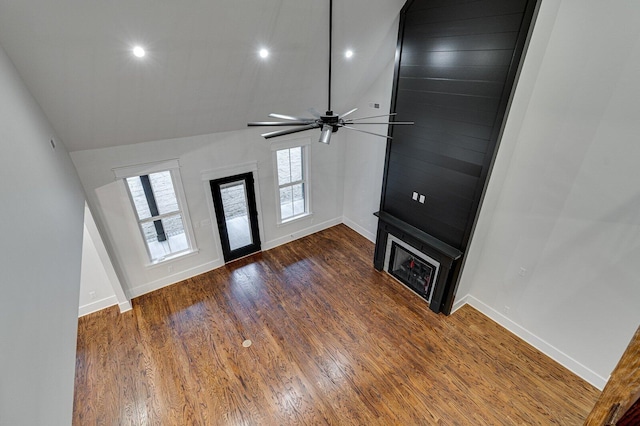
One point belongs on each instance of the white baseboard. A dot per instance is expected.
(535, 341)
(201, 269)
(268, 245)
(96, 306)
(359, 229)
(125, 306)
(459, 303)
(175, 278)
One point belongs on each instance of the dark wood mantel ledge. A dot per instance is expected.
(444, 248)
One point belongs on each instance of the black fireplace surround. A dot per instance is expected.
(449, 257)
(455, 70)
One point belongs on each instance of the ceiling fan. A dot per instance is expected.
(329, 122)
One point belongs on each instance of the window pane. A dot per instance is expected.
(296, 163)
(291, 180)
(164, 193)
(139, 199)
(173, 241)
(292, 201)
(286, 202)
(284, 167)
(298, 199)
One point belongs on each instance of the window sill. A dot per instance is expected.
(171, 258)
(294, 219)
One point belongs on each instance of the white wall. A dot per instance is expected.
(96, 292)
(365, 154)
(41, 228)
(206, 155)
(564, 199)
(100, 286)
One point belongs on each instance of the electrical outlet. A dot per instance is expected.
(92, 295)
(522, 272)
(507, 309)
(170, 268)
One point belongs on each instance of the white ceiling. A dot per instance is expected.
(201, 74)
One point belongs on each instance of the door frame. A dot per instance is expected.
(252, 210)
(220, 172)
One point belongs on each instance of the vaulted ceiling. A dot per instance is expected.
(201, 74)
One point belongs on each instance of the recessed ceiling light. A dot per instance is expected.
(264, 53)
(139, 52)
(348, 53)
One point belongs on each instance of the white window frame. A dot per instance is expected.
(305, 144)
(173, 167)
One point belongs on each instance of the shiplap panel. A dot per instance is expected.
(423, 12)
(446, 71)
(488, 89)
(506, 23)
(454, 75)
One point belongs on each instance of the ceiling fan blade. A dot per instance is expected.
(325, 136)
(364, 131)
(314, 112)
(372, 116)
(289, 131)
(388, 122)
(348, 112)
(281, 123)
(289, 117)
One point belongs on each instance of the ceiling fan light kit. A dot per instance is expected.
(329, 122)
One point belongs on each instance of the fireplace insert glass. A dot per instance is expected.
(413, 270)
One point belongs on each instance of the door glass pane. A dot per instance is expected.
(236, 214)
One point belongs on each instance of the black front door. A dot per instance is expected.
(234, 200)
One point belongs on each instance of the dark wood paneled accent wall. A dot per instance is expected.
(455, 72)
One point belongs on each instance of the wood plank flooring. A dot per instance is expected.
(334, 342)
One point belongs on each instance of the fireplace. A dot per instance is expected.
(416, 270)
(418, 260)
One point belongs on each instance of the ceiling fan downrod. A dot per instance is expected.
(329, 111)
(329, 122)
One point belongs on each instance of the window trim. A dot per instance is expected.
(305, 144)
(173, 167)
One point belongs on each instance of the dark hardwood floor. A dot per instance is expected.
(334, 342)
